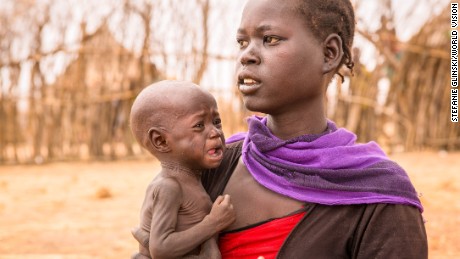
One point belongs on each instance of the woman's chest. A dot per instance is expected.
(253, 202)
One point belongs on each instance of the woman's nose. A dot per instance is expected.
(249, 55)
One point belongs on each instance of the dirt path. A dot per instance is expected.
(86, 210)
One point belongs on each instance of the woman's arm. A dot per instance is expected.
(358, 231)
(391, 231)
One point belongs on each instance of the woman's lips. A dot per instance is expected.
(248, 85)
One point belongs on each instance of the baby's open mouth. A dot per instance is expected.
(215, 151)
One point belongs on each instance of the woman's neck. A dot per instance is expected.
(305, 117)
(291, 126)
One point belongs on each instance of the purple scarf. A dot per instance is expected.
(329, 168)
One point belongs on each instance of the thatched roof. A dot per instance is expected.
(421, 88)
(104, 65)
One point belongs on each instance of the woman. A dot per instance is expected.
(300, 186)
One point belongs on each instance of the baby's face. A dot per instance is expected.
(196, 137)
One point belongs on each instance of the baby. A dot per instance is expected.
(179, 124)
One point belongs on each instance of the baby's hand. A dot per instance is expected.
(222, 212)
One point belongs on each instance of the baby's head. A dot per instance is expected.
(178, 122)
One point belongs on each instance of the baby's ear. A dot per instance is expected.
(158, 141)
(333, 53)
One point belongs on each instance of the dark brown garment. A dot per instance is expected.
(345, 231)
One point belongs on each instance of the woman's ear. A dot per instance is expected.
(333, 53)
(157, 139)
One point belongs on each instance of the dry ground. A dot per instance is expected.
(86, 210)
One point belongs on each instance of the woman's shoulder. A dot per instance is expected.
(383, 211)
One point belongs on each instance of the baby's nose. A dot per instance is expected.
(215, 132)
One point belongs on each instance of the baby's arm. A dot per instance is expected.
(164, 241)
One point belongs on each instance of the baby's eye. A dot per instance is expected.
(271, 39)
(199, 125)
(242, 43)
(218, 122)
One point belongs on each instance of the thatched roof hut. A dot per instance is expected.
(415, 111)
(420, 90)
(89, 104)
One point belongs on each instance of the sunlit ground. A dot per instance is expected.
(86, 210)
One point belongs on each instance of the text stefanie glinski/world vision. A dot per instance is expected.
(454, 62)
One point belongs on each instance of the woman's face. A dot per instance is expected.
(279, 64)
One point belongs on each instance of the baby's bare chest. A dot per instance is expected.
(195, 206)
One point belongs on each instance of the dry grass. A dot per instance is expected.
(86, 210)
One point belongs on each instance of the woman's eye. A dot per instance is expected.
(242, 43)
(271, 39)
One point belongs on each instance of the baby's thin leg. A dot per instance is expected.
(209, 250)
(139, 256)
(143, 238)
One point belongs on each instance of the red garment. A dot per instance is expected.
(261, 240)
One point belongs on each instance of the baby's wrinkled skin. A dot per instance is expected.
(180, 125)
